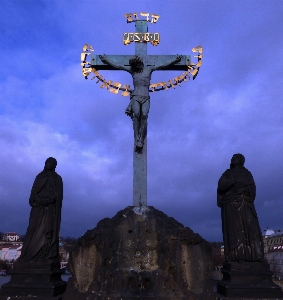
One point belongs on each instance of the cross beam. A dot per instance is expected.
(149, 60)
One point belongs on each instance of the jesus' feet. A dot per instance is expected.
(139, 144)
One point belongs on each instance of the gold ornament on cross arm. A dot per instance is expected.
(115, 87)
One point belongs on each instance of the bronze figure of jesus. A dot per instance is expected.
(138, 107)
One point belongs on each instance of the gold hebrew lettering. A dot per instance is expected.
(87, 47)
(129, 17)
(86, 71)
(171, 84)
(186, 74)
(194, 72)
(109, 82)
(197, 49)
(100, 78)
(145, 15)
(116, 87)
(106, 84)
(154, 18)
(177, 80)
(198, 56)
(162, 84)
(135, 15)
(199, 64)
(95, 71)
(125, 92)
(153, 86)
(83, 56)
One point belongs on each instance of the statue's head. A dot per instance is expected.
(237, 160)
(136, 64)
(50, 164)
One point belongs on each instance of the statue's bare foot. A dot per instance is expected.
(139, 144)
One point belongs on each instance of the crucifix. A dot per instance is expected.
(140, 66)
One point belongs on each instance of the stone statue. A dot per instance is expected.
(42, 237)
(139, 105)
(241, 231)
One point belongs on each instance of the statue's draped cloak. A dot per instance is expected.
(240, 226)
(42, 237)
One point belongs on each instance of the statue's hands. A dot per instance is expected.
(52, 200)
(44, 201)
(241, 191)
(178, 57)
(103, 58)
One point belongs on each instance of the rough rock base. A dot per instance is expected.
(140, 253)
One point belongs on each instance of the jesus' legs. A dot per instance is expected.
(136, 109)
(143, 121)
(140, 112)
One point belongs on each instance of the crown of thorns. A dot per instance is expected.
(136, 61)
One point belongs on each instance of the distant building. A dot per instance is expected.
(10, 253)
(273, 251)
(11, 237)
(271, 238)
(10, 247)
(275, 258)
(64, 251)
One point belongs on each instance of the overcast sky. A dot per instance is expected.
(47, 108)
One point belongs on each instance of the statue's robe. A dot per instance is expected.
(42, 237)
(241, 231)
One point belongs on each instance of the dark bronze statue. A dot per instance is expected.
(139, 105)
(42, 237)
(241, 231)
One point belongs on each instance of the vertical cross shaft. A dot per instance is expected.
(140, 158)
(141, 48)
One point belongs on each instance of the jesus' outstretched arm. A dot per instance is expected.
(168, 63)
(105, 60)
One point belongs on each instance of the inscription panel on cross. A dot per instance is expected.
(153, 38)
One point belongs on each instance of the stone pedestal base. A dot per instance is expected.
(140, 254)
(248, 280)
(34, 279)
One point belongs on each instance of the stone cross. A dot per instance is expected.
(140, 66)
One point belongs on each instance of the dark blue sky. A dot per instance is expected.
(48, 109)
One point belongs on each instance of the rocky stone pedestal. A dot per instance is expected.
(248, 280)
(140, 253)
(39, 280)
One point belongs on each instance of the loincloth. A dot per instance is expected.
(140, 99)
